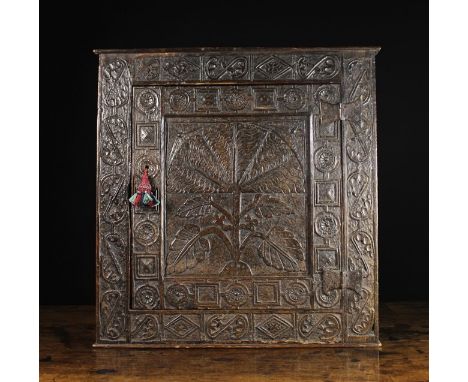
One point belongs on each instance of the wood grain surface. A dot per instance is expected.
(66, 354)
(265, 163)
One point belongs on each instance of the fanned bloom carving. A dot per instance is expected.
(235, 158)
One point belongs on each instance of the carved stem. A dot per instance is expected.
(236, 226)
(235, 202)
(251, 206)
(222, 210)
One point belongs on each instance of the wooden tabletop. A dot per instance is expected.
(66, 354)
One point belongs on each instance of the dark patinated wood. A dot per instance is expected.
(265, 160)
(66, 335)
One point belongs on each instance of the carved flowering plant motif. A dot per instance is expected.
(255, 168)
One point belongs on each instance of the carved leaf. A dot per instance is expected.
(280, 250)
(187, 249)
(267, 161)
(195, 207)
(270, 206)
(200, 160)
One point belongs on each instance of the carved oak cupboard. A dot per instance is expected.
(265, 163)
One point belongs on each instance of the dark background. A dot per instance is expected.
(68, 95)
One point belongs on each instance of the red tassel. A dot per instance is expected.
(137, 200)
(144, 188)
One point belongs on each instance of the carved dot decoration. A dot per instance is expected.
(326, 224)
(114, 207)
(116, 88)
(110, 184)
(146, 233)
(236, 295)
(365, 241)
(178, 296)
(363, 91)
(147, 297)
(147, 101)
(296, 294)
(114, 136)
(294, 98)
(264, 98)
(118, 127)
(235, 100)
(114, 69)
(325, 159)
(179, 100)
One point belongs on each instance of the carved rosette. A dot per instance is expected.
(112, 181)
(360, 167)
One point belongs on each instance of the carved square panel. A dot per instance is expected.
(265, 99)
(148, 134)
(207, 294)
(327, 130)
(326, 258)
(207, 100)
(264, 162)
(266, 293)
(147, 266)
(234, 186)
(327, 193)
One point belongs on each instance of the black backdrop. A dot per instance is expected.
(68, 92)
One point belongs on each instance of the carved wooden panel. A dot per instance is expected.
(265, 163)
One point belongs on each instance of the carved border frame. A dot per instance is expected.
(352, 117)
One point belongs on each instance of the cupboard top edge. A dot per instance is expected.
(169, 51)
